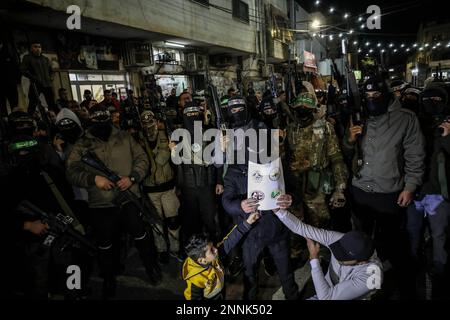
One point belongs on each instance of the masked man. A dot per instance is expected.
(315, 161)
(269, 232)
(386, 172)
(123, 155)
(159, 185)
(197, 177)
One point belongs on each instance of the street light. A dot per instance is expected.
(316, 24)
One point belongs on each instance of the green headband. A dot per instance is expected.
(23, 145)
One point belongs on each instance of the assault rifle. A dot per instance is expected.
(60, 228)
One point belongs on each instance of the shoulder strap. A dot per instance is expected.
(62, 202)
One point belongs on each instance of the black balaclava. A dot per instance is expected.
(24, 151)
(268, 111)
(380, 105)
(69, 130)
(101, 125)
(434, 101)
(305, 106)
(191, 114)
(21, 123)
(237, 112)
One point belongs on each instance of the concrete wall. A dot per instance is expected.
(176, 18)
(304, 42)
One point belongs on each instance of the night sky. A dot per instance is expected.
(406, 21)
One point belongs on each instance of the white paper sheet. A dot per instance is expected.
(266, 183)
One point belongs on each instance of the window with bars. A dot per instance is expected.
(240, 10)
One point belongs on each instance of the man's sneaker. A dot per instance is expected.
(269, 266)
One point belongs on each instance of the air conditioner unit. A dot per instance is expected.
(195, 62)
(137, 54)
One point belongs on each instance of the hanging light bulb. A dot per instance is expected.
(346, 16)
(340, 35)
(360, 19)
(415, 45)
(331, 10)
(403, 45)
(367, 43)
(391, 45)
(351, 31)
(379, 45)
(355, 42)
(317, 2)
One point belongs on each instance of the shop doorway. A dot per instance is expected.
(98, 82)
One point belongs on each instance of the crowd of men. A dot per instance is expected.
(382, 181)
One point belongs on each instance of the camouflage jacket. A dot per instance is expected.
(316, 148)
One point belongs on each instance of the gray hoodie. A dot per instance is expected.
(341, 282)
(79, 193)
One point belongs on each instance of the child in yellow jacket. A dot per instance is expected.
(202, 270)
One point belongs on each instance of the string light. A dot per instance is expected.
(331, 10)
(346, 16)
(317, 2)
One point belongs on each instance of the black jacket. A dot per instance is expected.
(38, 69)
(268, 227)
